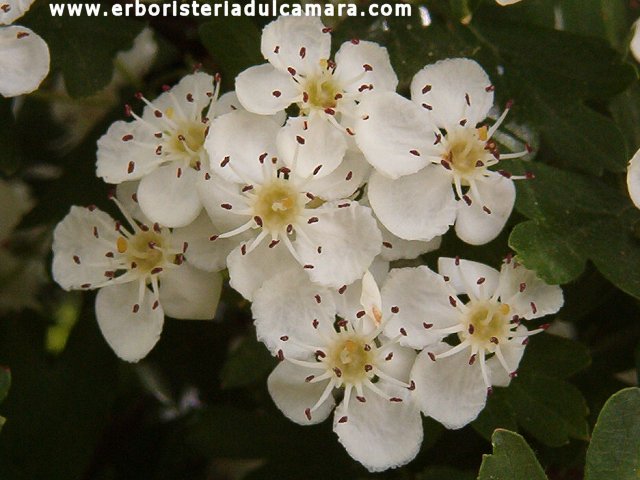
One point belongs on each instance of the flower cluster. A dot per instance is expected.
(305, 183)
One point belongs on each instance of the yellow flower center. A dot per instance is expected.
(145, 250)
(320, 92)
(487, 324)
(277, 204)
(351, 359)
(466, 150)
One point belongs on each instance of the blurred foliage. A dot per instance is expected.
(198, 407)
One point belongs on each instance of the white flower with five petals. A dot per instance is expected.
(164, 149)
(432, 158)
(142, 274)
(375, 420)
(480, 306)
(24, 55)
(276, 215)
(299, 71)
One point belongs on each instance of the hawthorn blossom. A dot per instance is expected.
(433, 159)
(276, 215)
(164, 149)
(504, 3)
(299, 71)
(375, 420)
(80, 116)
(484, 310)
(633, 179)
(24, 55)
(141, 273)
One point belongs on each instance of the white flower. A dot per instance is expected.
(142, 274)
(24, 56)
(326, 92)
(80, 116)
(506, 2)
(376, 420)
(164, 149)
(420, 148)
(634, 46)
(633, 179)
(452, 381)
(278, 216)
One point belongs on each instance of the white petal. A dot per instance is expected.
(15, 202)
(633, 178)
(348, 238)
(464, 276)
(131, 335)
(447, 85)
(449, 390)
(348, 297)
(187, 100)
(416, 207)
(395, 248)
(292, 395)
(379, 433)
(298, 42)
(394, 135)
(127, 152)
(214, 192)
(237, 142)
(202, 252)
(423, 306)
(249, 272)
(525, 292)
(16, 8)
(370, 298)
(350, 72)
(189, 293)
(344, 180)
(401, 362)
(506, 2)
(78, 256)
(512, 352)
(311, 144)
(169, 196)
(287, 305)
(24, 61)
(127, 195)
(474, 224)
(265, 90)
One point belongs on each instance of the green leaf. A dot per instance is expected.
(234, 44)
(249, 363)
(547, 252)
(84, 47)
(576, 217)
(564, 64)
(512, 459)
(603, 18)
(614, 451)
(550, 409)
(554, 356)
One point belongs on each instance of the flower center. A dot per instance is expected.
(187, 139)
(466, 150)
(351, 359)
(320, 92)
(145, 250)
(277, 205)
(486, 324)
